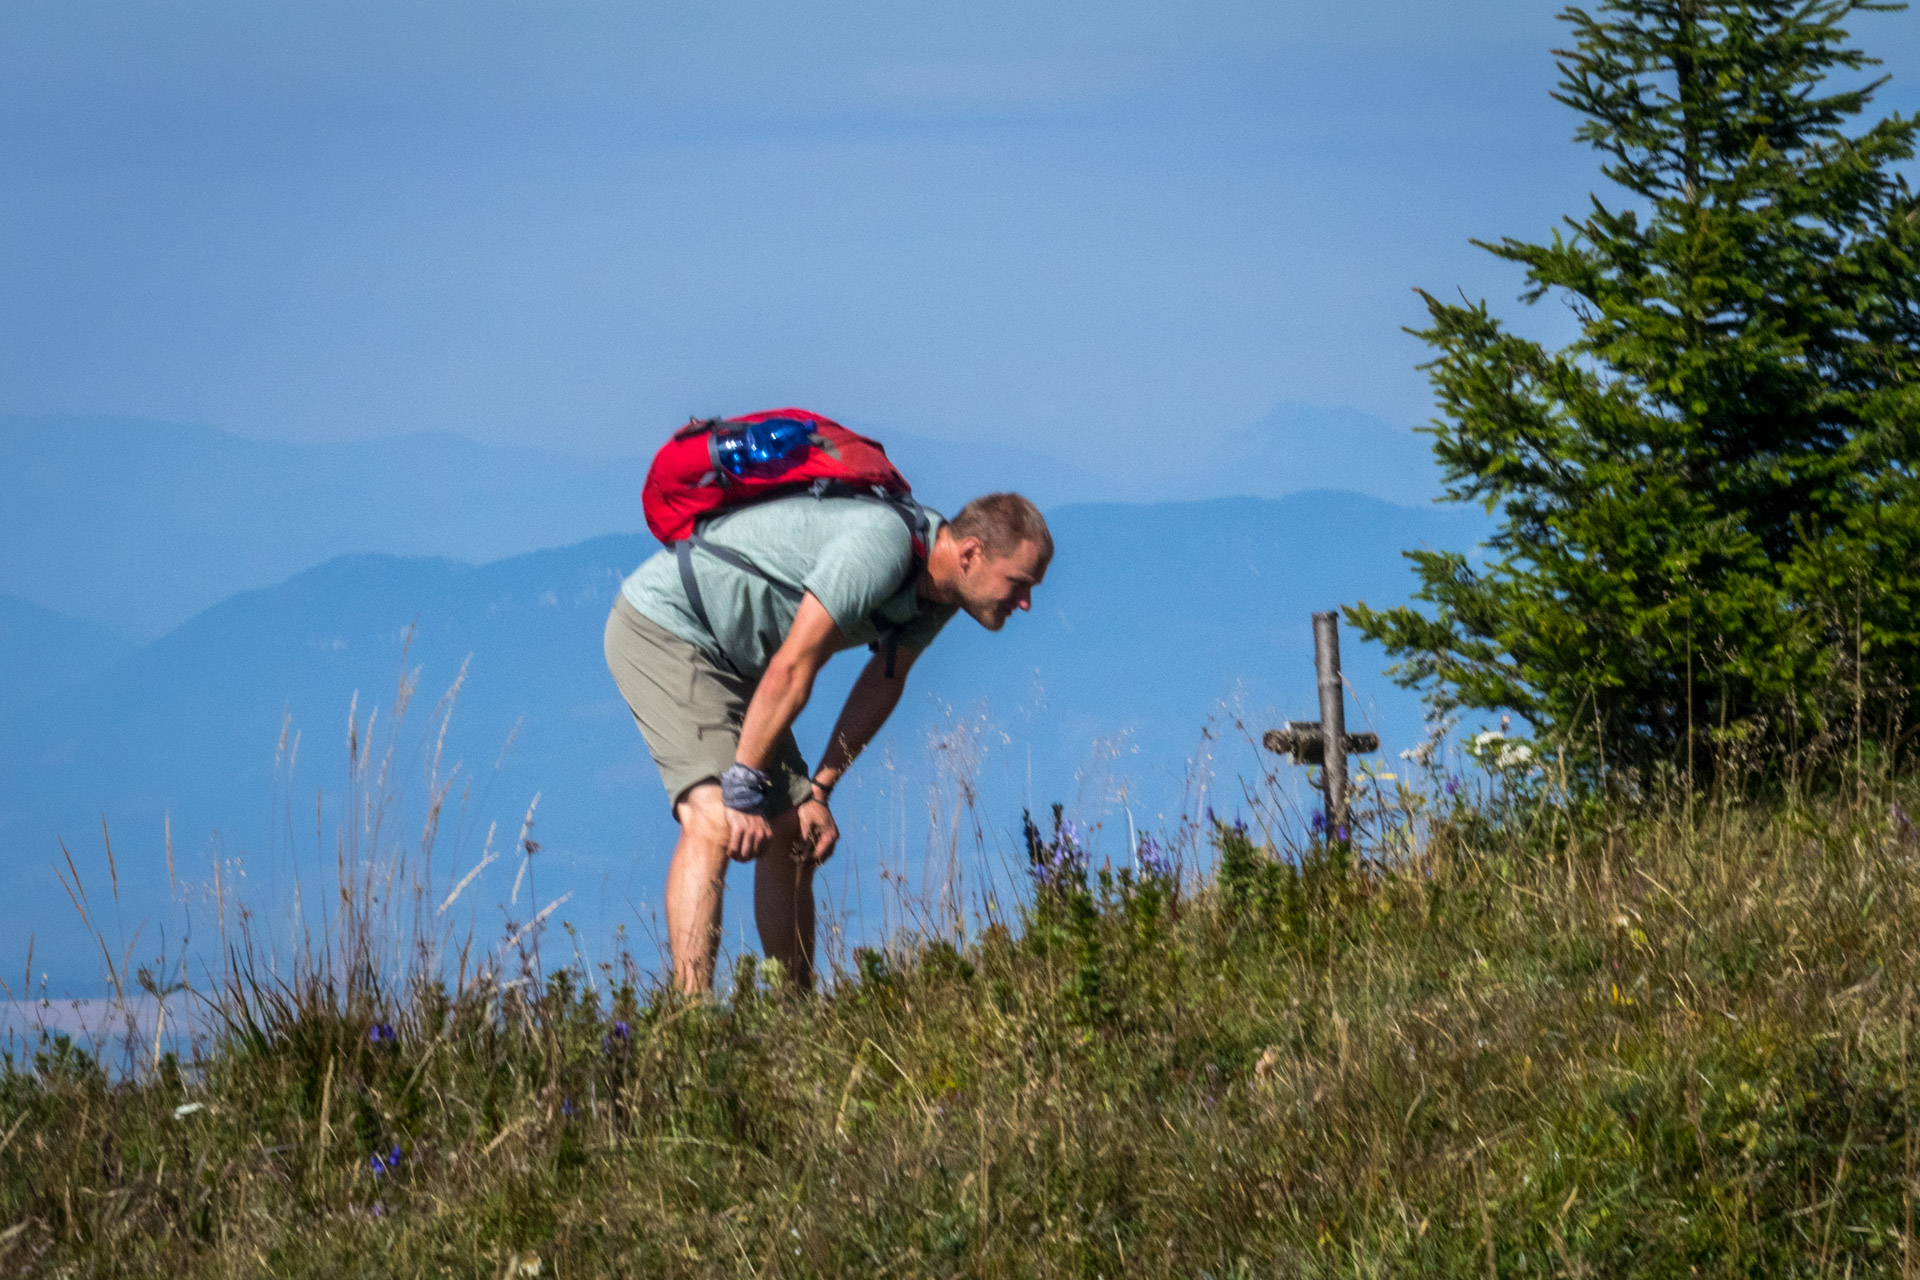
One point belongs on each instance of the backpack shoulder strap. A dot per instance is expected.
(683, 553)
(690, 583)
(918, 535)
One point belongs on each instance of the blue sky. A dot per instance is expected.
(1072, 226)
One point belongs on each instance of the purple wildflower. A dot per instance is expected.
(1058, 865)
(622, 1036)
(566, 1106)
(377, 1209)
(382, 1033)
(1154, 862)
(1453, 786)
(1343, 834)
(1061, 861)
(1319, 824)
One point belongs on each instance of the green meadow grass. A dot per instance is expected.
(1627, 1040)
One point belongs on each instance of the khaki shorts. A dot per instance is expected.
(690, 708)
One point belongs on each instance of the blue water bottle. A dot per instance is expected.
(762, 449)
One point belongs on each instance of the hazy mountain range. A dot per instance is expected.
(1115, 696)
(43, 651)
(1154, 619)
(138, 525)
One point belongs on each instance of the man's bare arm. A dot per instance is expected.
(869, 703)
(788, 683)
(777, 701)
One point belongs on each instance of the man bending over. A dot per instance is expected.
(716, 676)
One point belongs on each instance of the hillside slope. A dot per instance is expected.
(1540, 1041)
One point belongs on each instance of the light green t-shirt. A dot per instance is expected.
(852, 554)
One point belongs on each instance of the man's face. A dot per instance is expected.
(992, 587)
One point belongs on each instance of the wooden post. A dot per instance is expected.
(1325, 741)
(1333, 716)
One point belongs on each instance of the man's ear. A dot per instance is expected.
(968, 552)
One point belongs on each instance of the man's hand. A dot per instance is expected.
(819, 833)
(748, 835)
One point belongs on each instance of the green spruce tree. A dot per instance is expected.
(1709, 519)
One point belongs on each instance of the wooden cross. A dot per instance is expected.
(1325, 741)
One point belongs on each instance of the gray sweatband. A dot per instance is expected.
(744, 788)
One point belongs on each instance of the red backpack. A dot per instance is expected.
(720, 464)
(716, 464)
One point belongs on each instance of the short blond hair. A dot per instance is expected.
(1002, 521)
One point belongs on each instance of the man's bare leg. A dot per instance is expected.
(697, 881)
(783, 909)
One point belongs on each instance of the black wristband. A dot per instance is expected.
(744, 788)
(826, 789)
